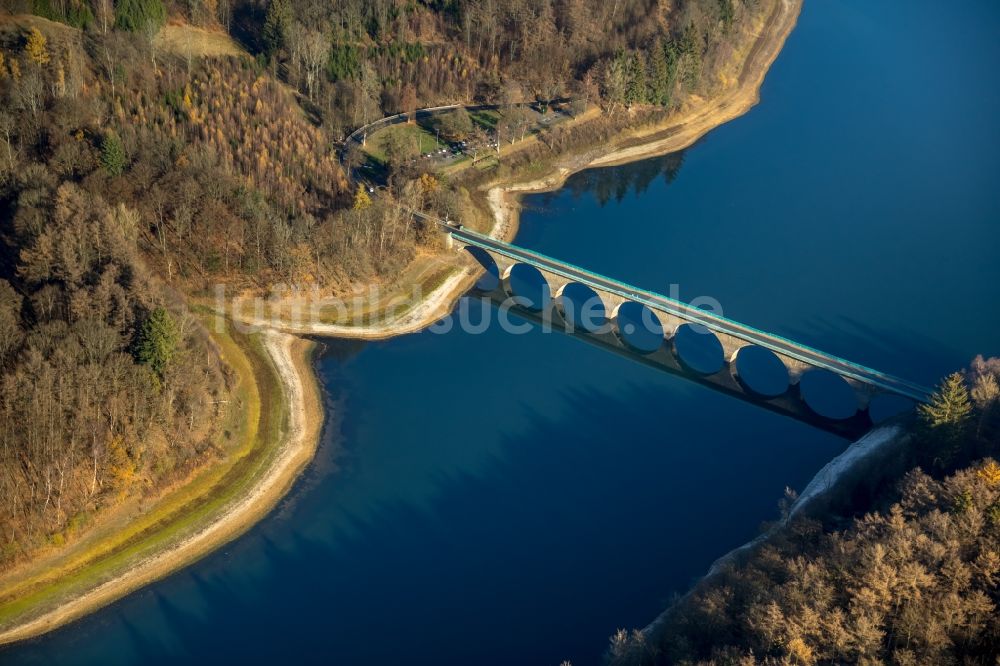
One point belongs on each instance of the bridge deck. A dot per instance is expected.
(712, 321)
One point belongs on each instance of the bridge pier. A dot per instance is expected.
(714, 363)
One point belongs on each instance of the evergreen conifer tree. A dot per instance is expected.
(112, 154)
(157, 342)
(945, 420)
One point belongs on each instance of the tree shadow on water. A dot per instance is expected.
(552, 544)
(586, 517)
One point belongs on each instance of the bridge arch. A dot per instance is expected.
(827, 394)
(637, 327)
(490, 279)
(581, 308)
(759, 371)
(874, 396)
(527, 287)
(698, 349)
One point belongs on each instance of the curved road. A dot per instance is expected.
(357, 135)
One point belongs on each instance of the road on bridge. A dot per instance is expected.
(709, 320)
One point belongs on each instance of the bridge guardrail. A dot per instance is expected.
(711, 320)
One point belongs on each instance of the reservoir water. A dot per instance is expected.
(513, 499)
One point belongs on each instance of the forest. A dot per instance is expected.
(909, 576)
(136, 174)
(134, 177)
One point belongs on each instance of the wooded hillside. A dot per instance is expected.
(910, 578)
(139, 165)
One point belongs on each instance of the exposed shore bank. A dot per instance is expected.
(880, 449)
(294, 383)
(276, 373)
(679, 131)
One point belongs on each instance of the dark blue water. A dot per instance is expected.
(499, 499)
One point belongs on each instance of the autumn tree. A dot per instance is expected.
(10, 321)
(429, 184)
(615, 81)
(313, 50)
(121, 468)
(105, 14)
(409, 102)
(36, 48)
(361, 199)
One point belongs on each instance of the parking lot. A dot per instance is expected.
(433, 152)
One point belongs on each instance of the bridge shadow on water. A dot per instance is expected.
(905, 353)
(535, 557)
(580, 515)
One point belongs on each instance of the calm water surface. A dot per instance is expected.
(501, 499)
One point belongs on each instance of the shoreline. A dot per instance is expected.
(674, 134)
(292, 358)
(291, 354)
(681, 130)
(873, 449)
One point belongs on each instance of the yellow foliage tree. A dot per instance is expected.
(36, 47)
(800, 652)
(15, 69)
(121, 469)
(429, 184)
(60, 84)
(361, 199)
(3, 67)
(990, 473)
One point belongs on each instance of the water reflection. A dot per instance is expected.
(509, 499)
(638, 327)
(760, 371)
(615, 183)
(828, 394)
(698, 349)
(528, 287)
(581, 308)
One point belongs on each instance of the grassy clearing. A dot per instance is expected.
(256, 420)
(486, 119)
(419, 136)
(189, 41)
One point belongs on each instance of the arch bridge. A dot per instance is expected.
(779, 374)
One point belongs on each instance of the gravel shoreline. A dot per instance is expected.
(290, 354)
